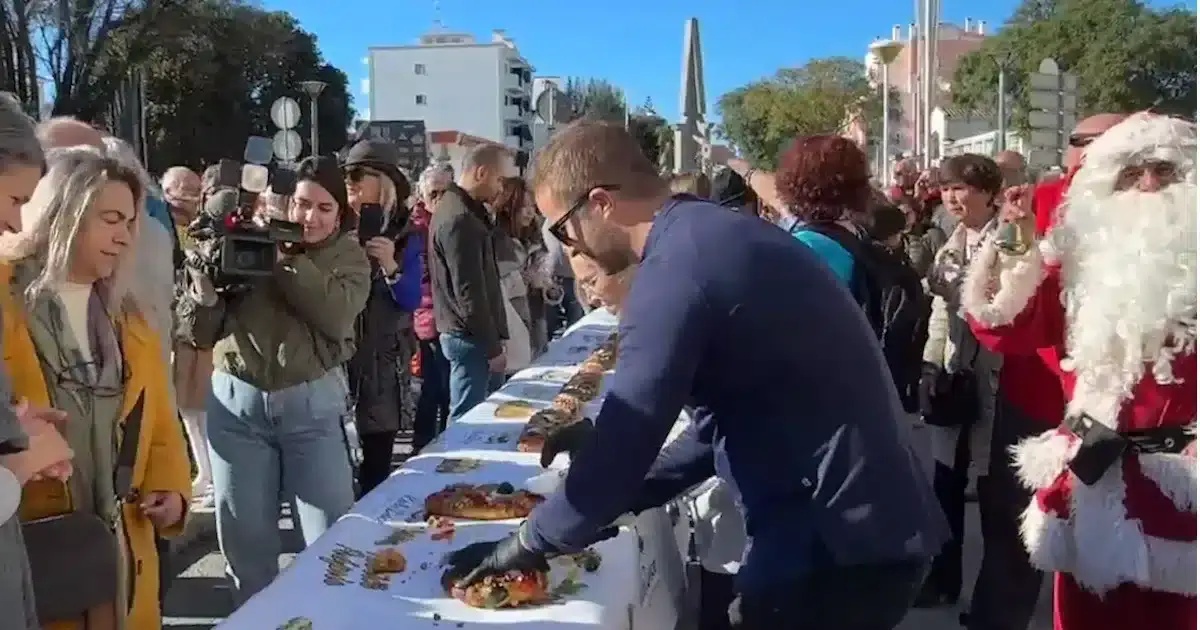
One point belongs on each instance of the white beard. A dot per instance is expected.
(1129, 278)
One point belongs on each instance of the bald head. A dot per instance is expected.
(181, 189)
(63, 132)
(1087, 130)
(1012, 167)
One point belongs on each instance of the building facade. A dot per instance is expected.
(451, 81)
(951, 43)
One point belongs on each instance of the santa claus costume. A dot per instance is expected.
(1112, 288)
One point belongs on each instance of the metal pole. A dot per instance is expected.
(1001, 114)
(886, 111)
(927, 79)
(312, 112)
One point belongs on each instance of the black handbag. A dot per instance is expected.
(954, 400)
(70, 554)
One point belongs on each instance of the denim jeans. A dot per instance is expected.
(470, 379)
(272, 446)
(433, 406)
(864, 597)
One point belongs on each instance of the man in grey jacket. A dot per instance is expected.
(465, 281)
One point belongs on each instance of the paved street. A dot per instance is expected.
(199, 598)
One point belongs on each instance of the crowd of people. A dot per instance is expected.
(857, 363)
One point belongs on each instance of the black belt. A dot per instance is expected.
(1100, 447)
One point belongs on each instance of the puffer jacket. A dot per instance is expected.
(423, 323)
(378, 370)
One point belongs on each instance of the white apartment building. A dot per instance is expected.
(454, 83)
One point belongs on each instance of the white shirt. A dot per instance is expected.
(74, 298)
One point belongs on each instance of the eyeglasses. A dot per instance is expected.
(1080, 140)
(558, 229)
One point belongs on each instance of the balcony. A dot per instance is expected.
(512, 112)
(518, 79)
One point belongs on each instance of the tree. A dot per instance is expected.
(652, 132)
(595, 99)
(81, 50)
(211, 88)
(1127, 57)
(820, 97)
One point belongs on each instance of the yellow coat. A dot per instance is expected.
(162, 462)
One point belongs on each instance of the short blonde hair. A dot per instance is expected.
(587, 154)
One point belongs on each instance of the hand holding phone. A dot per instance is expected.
(370, 222)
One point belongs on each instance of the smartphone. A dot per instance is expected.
(229, 174)
(370, 221)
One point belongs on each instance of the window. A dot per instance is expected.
(419, 68)
(420, 99)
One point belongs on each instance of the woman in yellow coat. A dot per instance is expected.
(73, 340)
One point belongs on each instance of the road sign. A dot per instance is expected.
(1044, 158)
(285, 113)
(287, 145)
(1053, 101)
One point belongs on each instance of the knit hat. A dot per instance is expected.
(381, 156)
(324, 170)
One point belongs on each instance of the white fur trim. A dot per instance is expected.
(1049, 251)
(1175, 476)
(1019, 279)
(1101, 548)
(1039, 460)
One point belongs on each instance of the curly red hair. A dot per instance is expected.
(824, 178)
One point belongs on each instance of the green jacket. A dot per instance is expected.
(292, 327)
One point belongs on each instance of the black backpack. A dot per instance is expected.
(890, 293)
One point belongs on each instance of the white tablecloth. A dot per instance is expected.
(636, 587)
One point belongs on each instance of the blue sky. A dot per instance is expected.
(635, 44)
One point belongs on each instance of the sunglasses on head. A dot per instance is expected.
(1080, 140)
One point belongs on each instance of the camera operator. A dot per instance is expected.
(379, 372)
(278, 391)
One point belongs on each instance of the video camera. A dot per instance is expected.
(233, 245)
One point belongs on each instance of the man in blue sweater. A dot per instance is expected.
(728, 313)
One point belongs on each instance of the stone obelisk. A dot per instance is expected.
(692, 133)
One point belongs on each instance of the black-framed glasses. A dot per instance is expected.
(558, 229)
(1080, 140)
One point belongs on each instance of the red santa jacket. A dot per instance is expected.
(1031, 382)
(1137, 522)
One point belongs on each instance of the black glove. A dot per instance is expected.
(479, 560)
(927, 388)
(569, 439)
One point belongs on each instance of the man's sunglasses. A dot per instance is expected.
(558, 229)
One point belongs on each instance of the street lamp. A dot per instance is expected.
(313, 90)
(1002, 64)
(886, 51)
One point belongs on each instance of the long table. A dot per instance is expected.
(638, 585)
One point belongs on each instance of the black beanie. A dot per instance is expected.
(326, 172)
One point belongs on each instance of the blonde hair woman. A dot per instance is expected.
(75, 339)
(379, 372)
